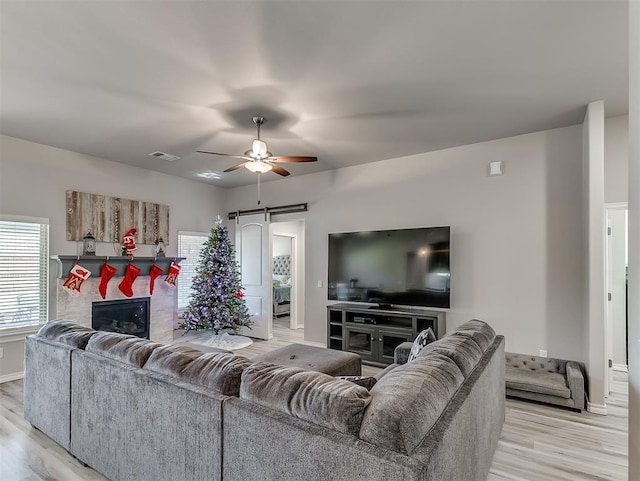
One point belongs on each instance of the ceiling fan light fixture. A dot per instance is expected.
(259, 148)
(258, 166)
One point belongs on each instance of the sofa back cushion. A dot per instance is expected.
(218, 371)
(130, 350)
(461, 349)
(406, 403)
(67, 332)
(481, 333)
(313, 396)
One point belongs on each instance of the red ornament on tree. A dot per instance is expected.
(77, 275)
(239, 295)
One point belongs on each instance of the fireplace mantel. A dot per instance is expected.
(94, 263)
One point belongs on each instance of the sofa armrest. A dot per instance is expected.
(575, 379)
(401, 352)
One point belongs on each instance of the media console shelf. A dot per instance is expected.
(374, 333)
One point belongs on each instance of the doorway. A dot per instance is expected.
(287, 241)
(616, 285)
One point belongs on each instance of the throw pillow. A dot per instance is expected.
(425, 337)
(364, 381)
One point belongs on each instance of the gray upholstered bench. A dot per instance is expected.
(545, 379)
(328, 361)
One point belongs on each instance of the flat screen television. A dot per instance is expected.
(404, 267)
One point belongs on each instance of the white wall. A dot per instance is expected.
(517, 248)
(616, 159)
(281, 245)
(634, 240)
(33, 181)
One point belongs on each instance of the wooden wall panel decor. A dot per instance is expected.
(109, 218)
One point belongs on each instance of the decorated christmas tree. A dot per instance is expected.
(217, 301)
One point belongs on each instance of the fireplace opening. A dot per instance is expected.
(126, 316)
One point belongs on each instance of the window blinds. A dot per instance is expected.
(189, 245)
(24, 273)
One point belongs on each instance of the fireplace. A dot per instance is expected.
(126, 316)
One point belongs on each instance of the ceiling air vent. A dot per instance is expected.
(164, 156)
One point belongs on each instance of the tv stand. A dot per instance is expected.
(375, 335)
(386, 307)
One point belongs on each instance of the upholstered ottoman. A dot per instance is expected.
(328, 361)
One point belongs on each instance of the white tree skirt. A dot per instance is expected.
(230, 342)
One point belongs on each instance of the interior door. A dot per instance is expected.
(616, 286)
(253, 251)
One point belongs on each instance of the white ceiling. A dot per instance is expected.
(350, 82)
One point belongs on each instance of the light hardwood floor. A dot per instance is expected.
(538, 443)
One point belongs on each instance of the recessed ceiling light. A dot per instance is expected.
(210, 175)
(164, 156)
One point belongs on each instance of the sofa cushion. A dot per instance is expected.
(170, 359)
(313, 396)
(364, 381)
(463, 350)
(122, 347)
(218, 371)
(538, 381)
(481, 333)
(67, 332)
(425, 337)
(407, 402)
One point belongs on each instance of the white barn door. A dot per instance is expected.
(253, 251)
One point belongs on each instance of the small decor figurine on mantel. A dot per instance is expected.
(88, 245)
(129, 243)
(160, 248)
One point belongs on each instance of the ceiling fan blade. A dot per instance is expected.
(235, 167)
(243, 157)
(279, 170)
(292, 158)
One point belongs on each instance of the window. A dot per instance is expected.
(189, 246)
(24, 271)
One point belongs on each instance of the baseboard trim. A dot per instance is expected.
(620, 367)
(11, 377)
(600, 409)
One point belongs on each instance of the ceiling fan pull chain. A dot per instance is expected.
(259, 175)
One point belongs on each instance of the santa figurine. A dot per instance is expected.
(129, 243)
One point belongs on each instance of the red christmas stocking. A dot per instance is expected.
(153, 273)
(130, 274)
(105, 276)
(77, 275)
(172, 275)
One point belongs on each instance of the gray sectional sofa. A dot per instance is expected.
(137, 410)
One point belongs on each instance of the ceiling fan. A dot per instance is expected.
(259, 160)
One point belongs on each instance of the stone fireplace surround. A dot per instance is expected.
(163, 303)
